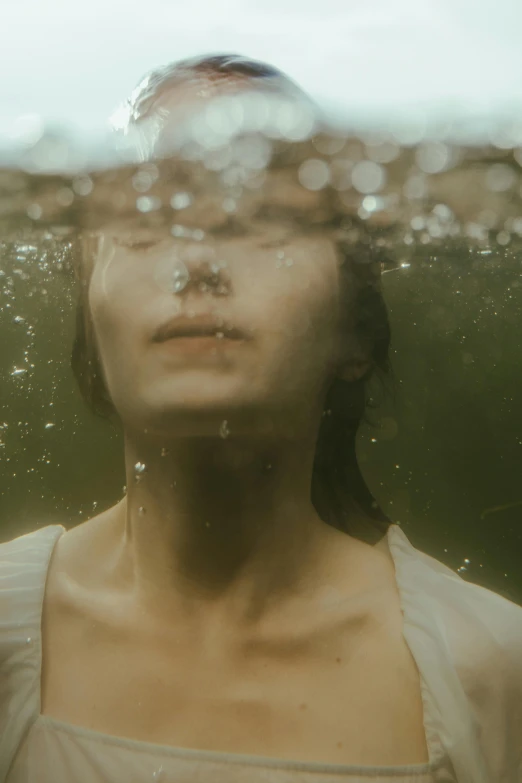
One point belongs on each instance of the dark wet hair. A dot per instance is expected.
(339, 491)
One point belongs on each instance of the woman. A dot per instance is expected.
(246, 611)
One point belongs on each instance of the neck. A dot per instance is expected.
(213, 526)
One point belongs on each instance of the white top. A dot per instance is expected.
(466, 641)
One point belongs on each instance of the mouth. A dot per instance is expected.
(179, 328)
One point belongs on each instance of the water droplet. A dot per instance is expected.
(144, 179)
(314, 174)
(158, 774)
(29, 640)
(148, 203)
(180, 200)
(18, 371)
(433, 157)
(50, 425)
(18, 319)
(164, 452)
(65, 197)
(139, 470)
(124, 489)
(34, 211)
(142, 510)
(229, 205)
(82, 185)
(368, 177)
(224, 430)
(180, 277)
(467, 561)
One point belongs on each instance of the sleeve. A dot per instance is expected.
(23, 569)
(485, 633)
(467, 643)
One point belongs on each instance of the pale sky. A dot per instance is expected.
(73, 61)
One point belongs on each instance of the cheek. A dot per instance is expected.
(118, 291)
(303, 292)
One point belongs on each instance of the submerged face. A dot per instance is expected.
(239, 323)
(269, 299)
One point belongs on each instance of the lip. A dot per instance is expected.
(202, 327)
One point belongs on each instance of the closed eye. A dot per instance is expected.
(231, 228)
(274, 244)
(143, 244)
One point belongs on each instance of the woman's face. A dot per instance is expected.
(277, 286)
(272, 281)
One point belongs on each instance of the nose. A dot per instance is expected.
(199, 267)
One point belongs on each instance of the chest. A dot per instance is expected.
(346, 694)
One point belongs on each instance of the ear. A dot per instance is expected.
(353, 371)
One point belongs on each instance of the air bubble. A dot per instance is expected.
(164, 452)
(314, 174)
(180, 200)
(148, 203)
(34, 211)
(500, 177)
(224, 431)
(50, 425)
(368, 177)
(65, 197)
(139, 471)
(143, 180)
(433, 157)
(82, 186)
(229, 205)
(18, 371)
(141, 510)
(180, 277)
(179, 231)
